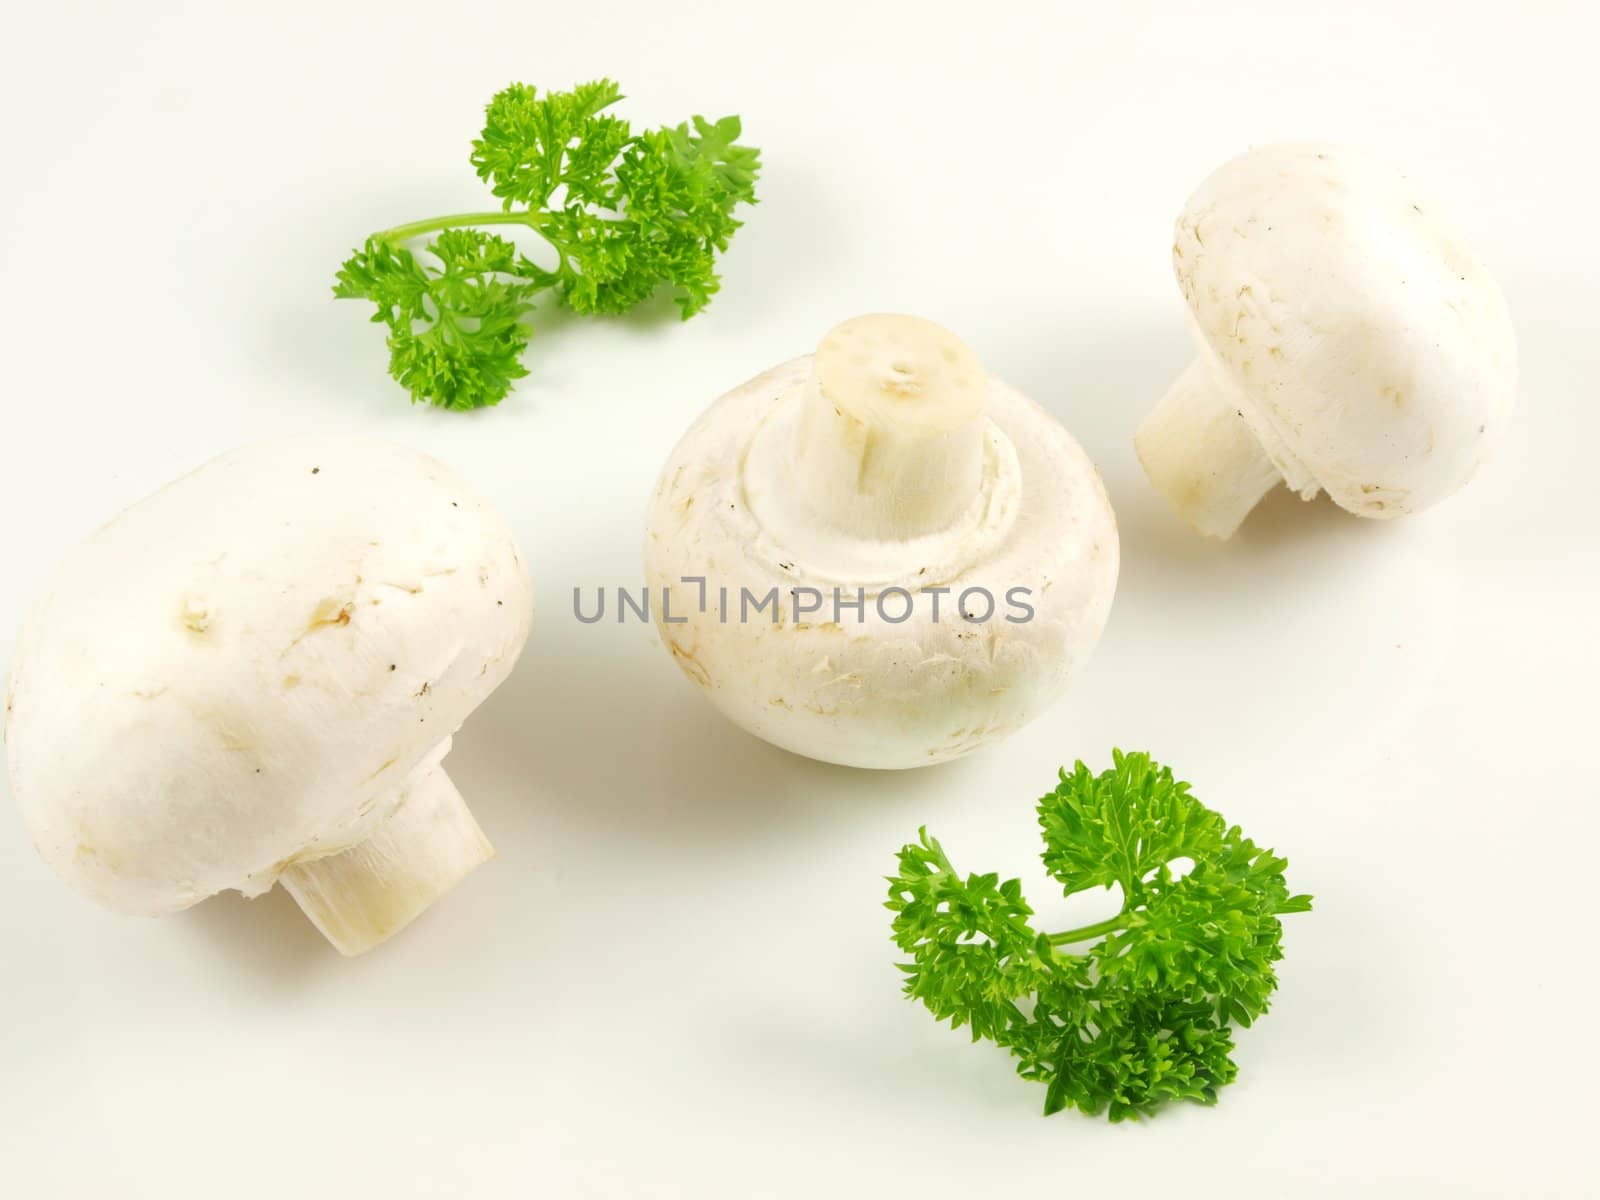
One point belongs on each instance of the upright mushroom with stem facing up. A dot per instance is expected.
(252, 676)
(1349, 343)
(938, 552)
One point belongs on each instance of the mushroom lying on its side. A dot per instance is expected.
(1349, 342)
(939, 553)
(251, 677)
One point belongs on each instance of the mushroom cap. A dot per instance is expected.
(241, 670)
(1373, 354)
(874, 692)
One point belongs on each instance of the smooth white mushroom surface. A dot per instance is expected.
(1349, 342)
(251, 677)
(941, 552)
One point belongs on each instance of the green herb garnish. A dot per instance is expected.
(622, 212)
(1127, 1013)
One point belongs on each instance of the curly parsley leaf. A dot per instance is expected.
(456, 334)
(976, 955)
(1129, 1013)
(624, 214)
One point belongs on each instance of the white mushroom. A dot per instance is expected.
(1349, 342)
(938, 552)
(251, 677)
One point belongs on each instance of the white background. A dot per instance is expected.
(676, 979)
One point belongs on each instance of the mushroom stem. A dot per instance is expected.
(890, 441)
(1201, 456)
(361, 896)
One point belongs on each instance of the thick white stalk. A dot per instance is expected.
(890, 440)
(1202, 456)
(359, 897)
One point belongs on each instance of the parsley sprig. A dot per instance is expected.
(624, 213)
(1127, 1013)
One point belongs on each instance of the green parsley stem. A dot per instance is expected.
(411, 229)
(1086, 932)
